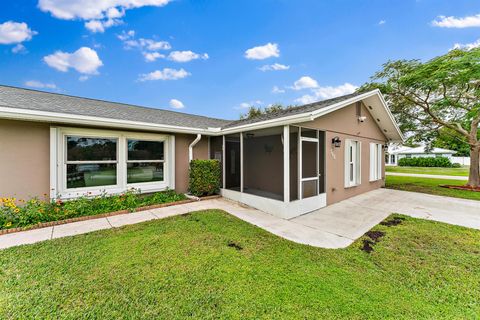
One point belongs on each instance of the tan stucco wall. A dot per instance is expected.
(24, 159)
(200, 151)
(344, 124)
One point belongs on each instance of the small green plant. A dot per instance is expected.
(425, 162)
(204, 177)
(19, 213)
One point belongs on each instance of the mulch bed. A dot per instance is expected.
(466, 188)
(102, 215)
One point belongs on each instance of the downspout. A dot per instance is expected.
(190, 147)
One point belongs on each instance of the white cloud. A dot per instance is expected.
(276, 89)
(126, 35)
(19, 48)
(454, 22)
(152, 56)
(305, 82)
(165, 74)
(100, 25)
(382, 22)
(186, 56)
(467, 46)
(247, 105)
(15, 32)
(327, 92)
(99, 14)
(40, 85)
(83, 78)
(84, 60)
(176, 104)
(263, 52)
(149, 47)
(274, 67)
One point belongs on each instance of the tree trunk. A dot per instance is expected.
(474, 175)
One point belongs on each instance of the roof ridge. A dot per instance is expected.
(113, 102)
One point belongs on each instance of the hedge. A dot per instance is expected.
(204, 177)
(425, 162)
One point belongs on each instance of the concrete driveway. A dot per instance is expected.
(353, 217)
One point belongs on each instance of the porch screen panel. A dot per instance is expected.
(216, 153)
(263, 163)
(232, 162)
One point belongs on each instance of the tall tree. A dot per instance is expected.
(441, 93)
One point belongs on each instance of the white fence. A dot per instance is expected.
(464, 161)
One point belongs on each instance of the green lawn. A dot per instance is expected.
(463, 171)
(431, 186)
(210, 265)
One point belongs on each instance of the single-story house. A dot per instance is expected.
(287, 163)
(395, 153)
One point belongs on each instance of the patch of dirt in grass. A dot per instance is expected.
(375, 235)
(234, 245)
(395, 221)
(367, 246)
(456, 187)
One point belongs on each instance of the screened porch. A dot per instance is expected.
(280, 170)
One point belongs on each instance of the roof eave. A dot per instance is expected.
(62, 118)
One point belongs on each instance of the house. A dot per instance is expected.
(287, 163)
(396, 153)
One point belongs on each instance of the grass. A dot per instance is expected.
(430, 186)
(210, 265)
(463, 171)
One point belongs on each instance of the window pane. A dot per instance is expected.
(309, 188)
(145, 150)
(91, 149)
(309, 159)
(91, 175)
(144, 172)
(309, 133)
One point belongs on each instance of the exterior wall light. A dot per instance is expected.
(336, 142)
(385, 147)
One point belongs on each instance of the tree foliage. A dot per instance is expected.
(254, 112)
(427, 97)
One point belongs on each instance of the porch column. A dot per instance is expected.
(241, 161)
(223, 163)
(286, 163)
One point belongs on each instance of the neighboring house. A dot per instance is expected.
(286, 163)
(396, 153)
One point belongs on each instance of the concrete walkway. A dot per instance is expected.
(335, 226)
(420, 175)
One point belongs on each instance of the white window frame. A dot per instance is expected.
(58, 176)
(376, 151)
(356, 162)
(301, 180)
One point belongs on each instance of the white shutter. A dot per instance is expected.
(373, 158)
(358, 163)
(381, 159)
(347, 163)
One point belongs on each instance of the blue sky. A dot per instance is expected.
(193, 55)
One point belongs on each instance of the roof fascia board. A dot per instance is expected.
(44, 116)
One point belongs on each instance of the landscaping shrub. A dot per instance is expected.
(425, 162)
(204, 177)
(19, 213)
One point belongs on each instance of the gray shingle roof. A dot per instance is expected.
(28, 99)
(51, 102)
(292, 111)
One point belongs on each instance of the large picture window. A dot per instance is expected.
(91, 162)
(145, 161)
